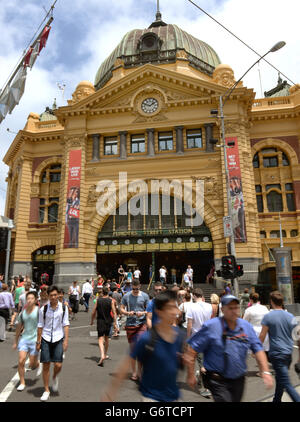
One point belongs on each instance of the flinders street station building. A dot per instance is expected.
(147, 115)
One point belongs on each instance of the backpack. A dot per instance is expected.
(46, 308)
(150, 346)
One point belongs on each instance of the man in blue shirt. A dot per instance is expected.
(280, 325)
(152, 317)
(224, 342)
(160, 358)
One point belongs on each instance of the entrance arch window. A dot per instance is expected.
(52, 174)
(274, 200)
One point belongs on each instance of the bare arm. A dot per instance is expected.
(66, 339)
(189, 358)
(263, 333)
(18, 332)
(149, 320)
(93, 316)
(189, 327)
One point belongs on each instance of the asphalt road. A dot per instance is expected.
(81, 380)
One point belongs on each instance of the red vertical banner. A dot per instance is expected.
(236, 192)
(73, 200)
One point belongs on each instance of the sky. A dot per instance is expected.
(84, 33)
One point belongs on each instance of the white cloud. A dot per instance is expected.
(102, 25)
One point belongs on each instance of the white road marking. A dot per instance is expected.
(11, 385)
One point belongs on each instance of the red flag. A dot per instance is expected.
(44, 37)
(27, 57)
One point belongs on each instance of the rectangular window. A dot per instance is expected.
(194, 138)
(54, 177)
(258, 189)
(137, 143)
(260, 204)
(289, 187)
(52, 213)
(271, 161)
(165, 141)
(290, 200)
(41, 215)
(110, 146)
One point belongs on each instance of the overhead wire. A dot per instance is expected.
(243, 42)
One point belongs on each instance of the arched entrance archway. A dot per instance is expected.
(170, 239)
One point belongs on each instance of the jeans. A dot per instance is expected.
(281, 366)
(86, 298)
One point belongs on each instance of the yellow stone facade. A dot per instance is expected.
(185, 97)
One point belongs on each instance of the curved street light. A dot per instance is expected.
(223, 98)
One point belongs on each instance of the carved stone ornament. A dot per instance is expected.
(212, 186)
(92, 195)
(83, 90)
(35, 189)
(181, 54)
(223, 75)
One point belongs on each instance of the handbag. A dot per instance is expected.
(81, 301)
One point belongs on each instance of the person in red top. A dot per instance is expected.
(45, 278)
(100, 281)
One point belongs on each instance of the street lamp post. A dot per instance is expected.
(10, 226)
(222, 100)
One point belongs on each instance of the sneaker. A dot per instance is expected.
(55, 384)
(39, 370)
(45, 396)
(205, 393)
(21, 387)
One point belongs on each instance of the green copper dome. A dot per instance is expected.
(158, 44)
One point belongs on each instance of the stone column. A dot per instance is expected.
(209, 136)
(151, 146)
(284, 273)
(123, 145)
(179, 139)
(96, 147)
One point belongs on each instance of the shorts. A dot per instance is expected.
(27, 346)
(134, 332)
(103, 328)
(51, 352)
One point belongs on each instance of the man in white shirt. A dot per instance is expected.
(254, 314)
(197, 314)
(163, 275)
(190, 273)
(52, 339)
(187, 280)
(87, 291)
(137, 274)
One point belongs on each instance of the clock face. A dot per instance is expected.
(150, 105)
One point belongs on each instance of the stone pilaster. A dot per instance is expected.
(179, 139)
(151, 147)
(96, 147)
(123, 145)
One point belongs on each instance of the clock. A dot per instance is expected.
(149, 105)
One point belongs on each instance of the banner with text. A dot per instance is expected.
(236, 192)
(73, 200)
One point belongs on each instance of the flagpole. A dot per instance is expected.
(24, 55)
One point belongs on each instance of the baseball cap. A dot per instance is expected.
(225, 300)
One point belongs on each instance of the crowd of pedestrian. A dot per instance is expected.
(167, 330)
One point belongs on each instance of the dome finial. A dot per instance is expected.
(158, 14)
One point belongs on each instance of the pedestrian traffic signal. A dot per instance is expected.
(227, 267)
(239, 272)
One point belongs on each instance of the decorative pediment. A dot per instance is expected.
(121, 95)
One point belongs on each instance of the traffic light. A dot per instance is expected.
(239, 272)
(227, 268)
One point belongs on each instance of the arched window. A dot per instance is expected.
(275, 196)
